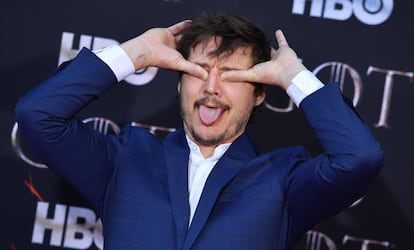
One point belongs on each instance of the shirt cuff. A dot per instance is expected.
(303, 84)
(118, 60)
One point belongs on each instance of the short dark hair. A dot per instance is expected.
(235, 32)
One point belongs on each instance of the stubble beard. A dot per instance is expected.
(217, 139)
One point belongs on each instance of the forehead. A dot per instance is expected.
(204, 51)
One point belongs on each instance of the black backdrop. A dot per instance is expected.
(364, 44)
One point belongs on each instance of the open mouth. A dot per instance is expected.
(209, 115)
(210, 110)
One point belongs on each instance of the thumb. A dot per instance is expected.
(248, 75)
(193, 69)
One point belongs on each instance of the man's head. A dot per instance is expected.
(215, 111)
(234, 31)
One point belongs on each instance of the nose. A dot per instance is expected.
(212, 84)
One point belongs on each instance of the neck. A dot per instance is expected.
(207, 151)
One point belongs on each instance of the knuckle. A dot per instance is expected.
(256, 75)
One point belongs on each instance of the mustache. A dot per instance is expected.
(208, 99)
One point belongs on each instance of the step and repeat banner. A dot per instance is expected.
(365, 45)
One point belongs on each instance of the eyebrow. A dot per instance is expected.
(223, 68)
(226, 68)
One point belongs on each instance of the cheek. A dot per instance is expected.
(242, 96)
(187, 100)
(189, 87)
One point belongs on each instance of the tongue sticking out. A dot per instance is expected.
(209, 115)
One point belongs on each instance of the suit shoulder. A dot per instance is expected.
(291, 152)
(134, 138)
(284, 158)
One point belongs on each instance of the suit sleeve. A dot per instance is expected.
(325, 185)
(45, 117)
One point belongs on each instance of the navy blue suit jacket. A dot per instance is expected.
(138, 183)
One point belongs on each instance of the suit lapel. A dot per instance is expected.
(176, 155)
(226, 168)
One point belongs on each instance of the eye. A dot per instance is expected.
(205, 66)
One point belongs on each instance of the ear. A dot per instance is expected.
(260, 98)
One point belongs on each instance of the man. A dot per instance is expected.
(203, 186)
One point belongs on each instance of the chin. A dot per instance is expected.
(208, 139)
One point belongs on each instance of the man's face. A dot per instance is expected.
(214, 111)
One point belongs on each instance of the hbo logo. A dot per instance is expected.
(371, 12)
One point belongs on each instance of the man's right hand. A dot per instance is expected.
(282, 67)
(157, 47)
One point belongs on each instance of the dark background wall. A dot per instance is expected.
(365, 45)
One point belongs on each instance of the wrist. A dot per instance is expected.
(290, 72)
(119, 62)
(303, 84)
(135, 49)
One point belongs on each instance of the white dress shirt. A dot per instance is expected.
(199, 168)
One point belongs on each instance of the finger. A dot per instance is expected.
(178, 27)
(249, 75)
(177, 37)
(192, 69)
(281, 39)
(273, 52)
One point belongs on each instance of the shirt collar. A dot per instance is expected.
(218, 151)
